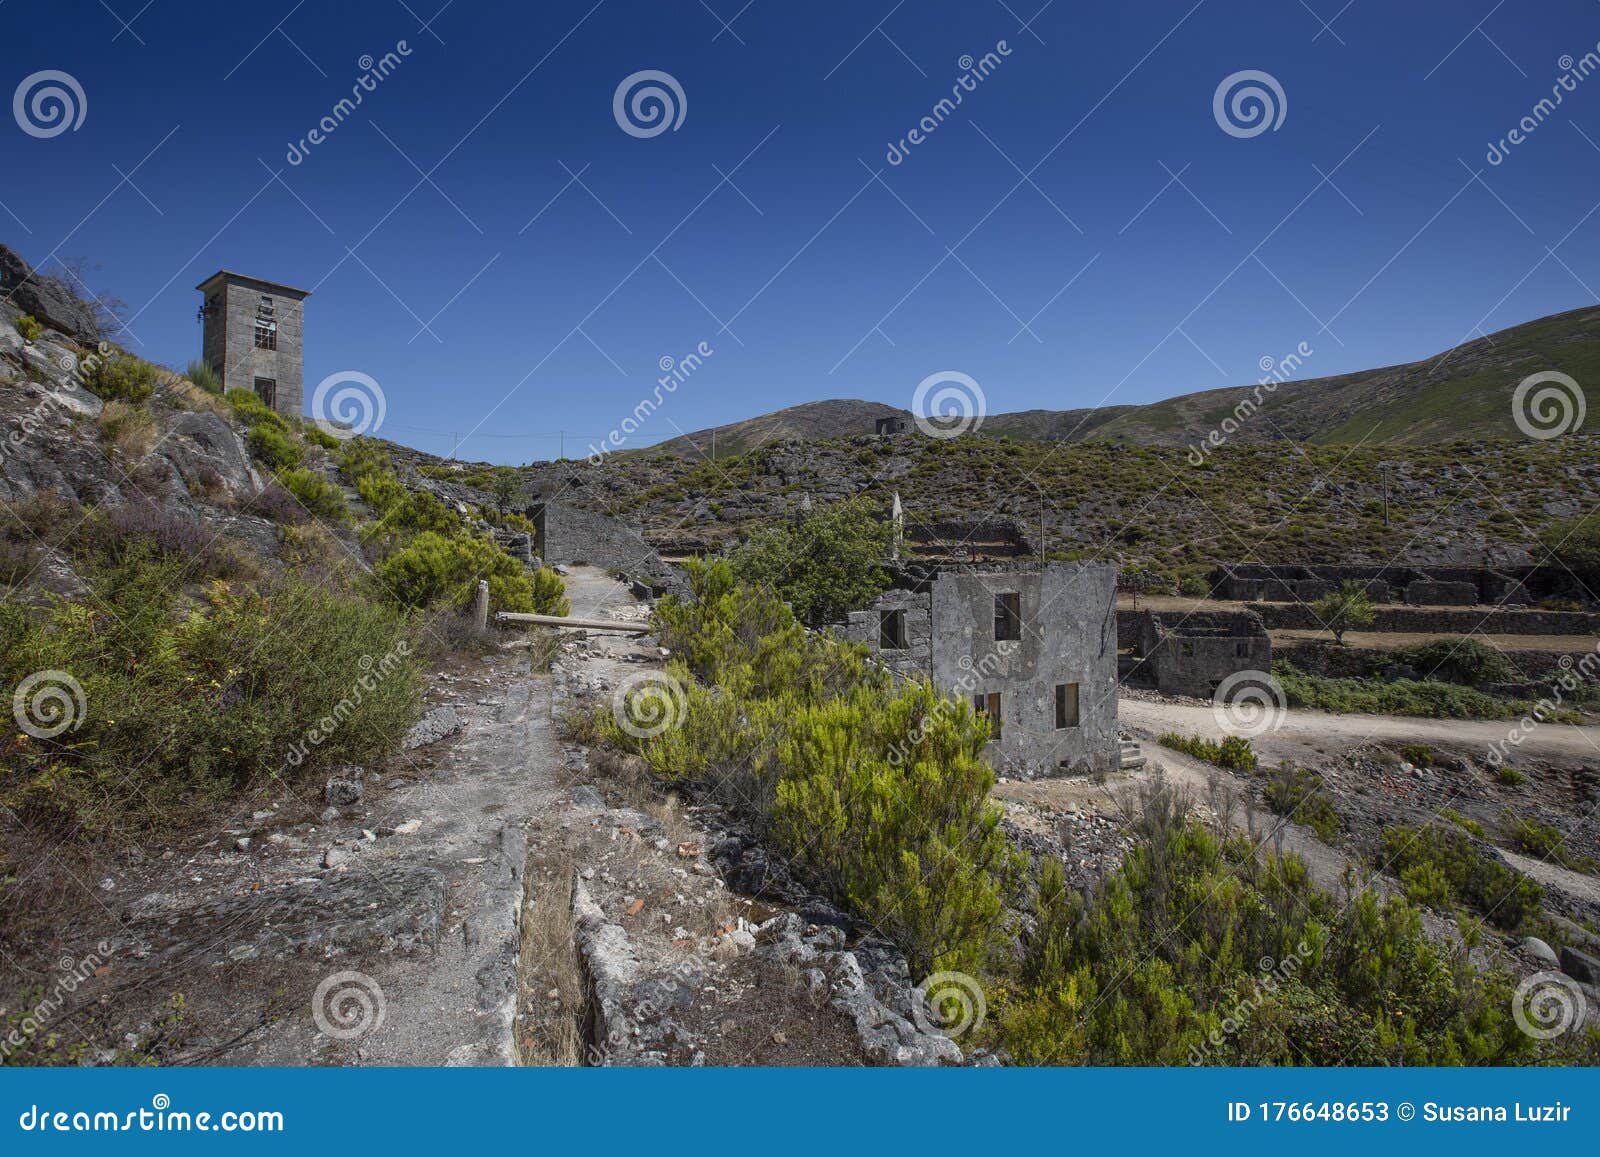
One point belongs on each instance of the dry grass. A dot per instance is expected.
(183, 394)
(548, 1032)
(129, 428)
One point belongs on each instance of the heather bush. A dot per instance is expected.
(28, 326)
(1475, 877)
(186, 701)
(119, 377)
(272, 447)
(1201, 950)
(1233, 752)
(320, 497)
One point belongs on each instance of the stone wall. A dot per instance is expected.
(570, 534)
(1442, 621)
(1193, 654)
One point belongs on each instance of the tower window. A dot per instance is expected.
(266, 335)
(267, 391)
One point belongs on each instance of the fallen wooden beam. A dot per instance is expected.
(574, 624)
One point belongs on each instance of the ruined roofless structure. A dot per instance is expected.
(1034, 648)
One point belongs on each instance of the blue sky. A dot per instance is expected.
(532, 281)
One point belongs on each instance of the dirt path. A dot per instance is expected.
(1319, 731)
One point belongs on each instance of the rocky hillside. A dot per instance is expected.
(1465, 392)
(1148, 508)
(835, 418)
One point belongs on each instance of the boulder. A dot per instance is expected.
(1541, 952)
(1580, 966)
(344, 787)
(48, 299)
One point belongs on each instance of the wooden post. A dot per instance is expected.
(480, 607)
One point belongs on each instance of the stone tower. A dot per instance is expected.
(252, 337)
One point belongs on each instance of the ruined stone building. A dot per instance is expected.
(252, 332)
(1033, 649)
(1193, 653)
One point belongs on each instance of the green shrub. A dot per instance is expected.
(1476, 877)
(319, 496)
(202, 375)
(250, 409)
(1299, 794)
(877, 794)
(1418, 754)
(272, 447)
(185, 701)
(1194, 587)
(317, 436)
(1466, 661)
(1509, 775)
(1198, 950)
(433, 568)
(28, 326)
(119, 377)
(1461, 821)
(1428, 698)
(1233, 752)
(824, 565)
(1547, 843)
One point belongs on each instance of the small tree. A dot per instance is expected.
(505, 484)
(825, 564)
(1344, 609)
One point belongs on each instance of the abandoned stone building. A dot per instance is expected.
(252, 335)
(1436, 586)
(1193, 653)
(891, 425)
(1035, 649)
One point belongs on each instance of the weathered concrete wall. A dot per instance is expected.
(1069, 635)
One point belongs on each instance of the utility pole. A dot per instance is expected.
(1043, 553)
(1386, 498)
(713, 443)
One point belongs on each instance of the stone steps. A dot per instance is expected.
(1132, 757)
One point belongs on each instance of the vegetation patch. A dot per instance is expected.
(1233, 752)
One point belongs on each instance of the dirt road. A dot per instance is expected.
(1319, 731)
